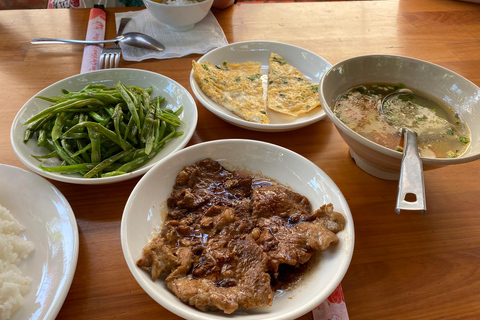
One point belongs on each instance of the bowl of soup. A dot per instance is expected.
(352, 92)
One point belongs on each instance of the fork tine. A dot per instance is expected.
(109, 61)
(117, 59)
(101, 61)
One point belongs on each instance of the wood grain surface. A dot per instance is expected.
(404, 266)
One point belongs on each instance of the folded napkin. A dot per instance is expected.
(206, 36)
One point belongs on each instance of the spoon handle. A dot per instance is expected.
(123, 24)
(411, 184)
(53, 40)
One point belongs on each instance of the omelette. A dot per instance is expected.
(235, 86)
(289, 91)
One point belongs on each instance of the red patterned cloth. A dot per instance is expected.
(334, 308)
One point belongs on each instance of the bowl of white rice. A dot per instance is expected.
(179, 15)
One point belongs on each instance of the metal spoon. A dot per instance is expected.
(135, 39)
(411, 183)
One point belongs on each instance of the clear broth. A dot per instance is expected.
(360, 109)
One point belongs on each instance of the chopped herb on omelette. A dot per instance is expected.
(289, 91)
(235, 86)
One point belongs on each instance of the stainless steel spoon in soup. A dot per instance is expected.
(413, 115)
(135, 39)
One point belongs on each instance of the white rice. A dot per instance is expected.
(13, 248)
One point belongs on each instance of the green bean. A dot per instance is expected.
(179, 111)
(147, 135)
(170, 118)
(83, 150)
(150, 137)
(42, 138)
(100, 131)
(63, 154)
(49, 145)
(113, 174)
(130, 132)
(37, 125)
(112, 151)
(145, 98)
(75, 168)
(134, 164)
(83, 155)
(57, 108)
(50, 155)
(95, 116)
(105, 163)
(117, 120)
(58, 126)
(105, 97)
(130, 100)
(160, 132)
(96, 153)
(69, 150)
(75, 136)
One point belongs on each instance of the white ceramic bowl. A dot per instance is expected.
(179, 17)
(311, 65)
(435, 81)
(50, 224)
(175, 96)
(142, 215)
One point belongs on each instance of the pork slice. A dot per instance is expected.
(292, 244)
(158, 258)
(248, 285)
(279, 201)
(332, 220)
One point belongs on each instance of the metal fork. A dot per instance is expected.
(110, 56)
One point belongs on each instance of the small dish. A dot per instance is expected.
(310, 64)
(50, 224)
(175, 96)
(142, 216)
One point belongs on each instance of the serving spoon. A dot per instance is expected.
(413, 114)
(411, 186)
(135, 39)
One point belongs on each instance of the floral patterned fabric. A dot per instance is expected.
(334, 308)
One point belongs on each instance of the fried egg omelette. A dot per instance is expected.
(289, 91)
(235, 86)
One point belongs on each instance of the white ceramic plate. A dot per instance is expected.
(310, 64)
(142, 215)
(50, 224)
(175, 96)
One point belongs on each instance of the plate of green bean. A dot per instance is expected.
(103, 126)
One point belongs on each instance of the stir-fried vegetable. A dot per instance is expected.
(103, 132)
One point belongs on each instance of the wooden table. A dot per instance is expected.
(404, 266)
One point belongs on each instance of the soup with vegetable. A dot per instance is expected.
(440, 132)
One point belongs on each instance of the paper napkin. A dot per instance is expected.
(96, 32)
(206, 35)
